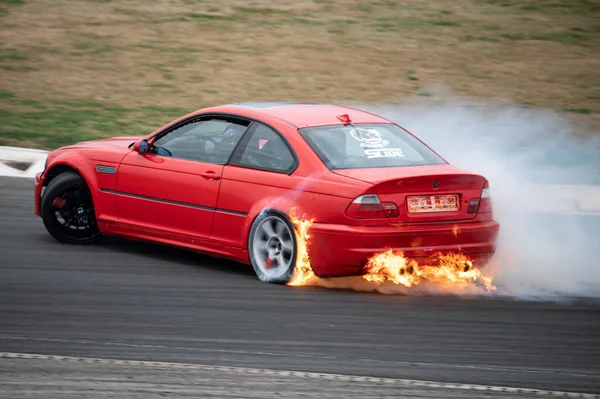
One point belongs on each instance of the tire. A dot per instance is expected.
(272, 248)
(67, 210)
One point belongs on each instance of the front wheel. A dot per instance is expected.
(68, 211)
(272, 247)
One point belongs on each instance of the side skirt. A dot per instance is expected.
(204, 246)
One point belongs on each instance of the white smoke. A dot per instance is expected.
(528, 155)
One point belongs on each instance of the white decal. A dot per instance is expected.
(262, 143)
(384, 153)
(369, 138)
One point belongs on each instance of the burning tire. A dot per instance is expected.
(272, 248)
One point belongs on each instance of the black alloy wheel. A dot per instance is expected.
(68, 210)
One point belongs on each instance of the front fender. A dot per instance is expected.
(75, 161)
(98, 180)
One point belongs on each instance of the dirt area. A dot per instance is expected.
(112, 58)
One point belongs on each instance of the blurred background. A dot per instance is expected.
(506, 88)
(79, 69)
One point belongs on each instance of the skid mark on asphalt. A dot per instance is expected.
(302, 374)
(298, 355)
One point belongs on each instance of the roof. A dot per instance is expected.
(310, 114)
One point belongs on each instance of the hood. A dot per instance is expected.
(105, 150)
(121, 142)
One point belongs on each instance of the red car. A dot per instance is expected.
(222, 180)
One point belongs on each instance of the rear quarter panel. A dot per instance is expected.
(248, 192)
(312, 189)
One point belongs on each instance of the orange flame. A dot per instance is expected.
(452, 272)
(446, 270)
(455, 230)
(303, 272)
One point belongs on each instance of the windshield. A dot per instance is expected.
(368, 146)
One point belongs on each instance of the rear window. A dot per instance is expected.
(368, 146)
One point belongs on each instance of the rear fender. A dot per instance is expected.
(282, 205)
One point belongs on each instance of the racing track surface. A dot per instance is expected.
(136, 301)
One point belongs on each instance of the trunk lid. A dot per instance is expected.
(435, 184)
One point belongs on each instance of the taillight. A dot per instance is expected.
(390, 209)
(369, 207)
(482, 204)
(473, 205)
(485, 205)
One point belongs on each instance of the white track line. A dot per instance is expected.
(302, 374)
(391, 363)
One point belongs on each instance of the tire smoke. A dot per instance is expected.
(545, 184)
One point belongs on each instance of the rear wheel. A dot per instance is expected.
(272, 247)
(68, 211)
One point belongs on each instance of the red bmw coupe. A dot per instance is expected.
(222, 180)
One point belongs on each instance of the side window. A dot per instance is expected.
(211, 140)
(266, 149)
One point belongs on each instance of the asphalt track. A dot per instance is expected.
(137, 301)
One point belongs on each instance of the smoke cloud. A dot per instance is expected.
(545, 184)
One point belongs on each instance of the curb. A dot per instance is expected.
(21, 162)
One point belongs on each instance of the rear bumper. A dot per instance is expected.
(339, 250)
(39, 182)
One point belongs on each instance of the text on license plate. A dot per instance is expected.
(433, 203)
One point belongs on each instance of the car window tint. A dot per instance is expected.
(210, 141)
(266, 149)
(368, 146)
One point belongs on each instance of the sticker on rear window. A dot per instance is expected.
(262, 143)
(384, 153)
(369, 138)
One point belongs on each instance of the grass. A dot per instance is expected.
(97, 68)
(51, 125)
(206, 16)
(579, 110)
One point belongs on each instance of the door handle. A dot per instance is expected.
(210, 175)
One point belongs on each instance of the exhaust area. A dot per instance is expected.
(392, 273)
(545, 185)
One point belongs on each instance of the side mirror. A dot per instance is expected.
(141, 146)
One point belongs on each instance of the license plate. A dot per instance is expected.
(433, 203)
